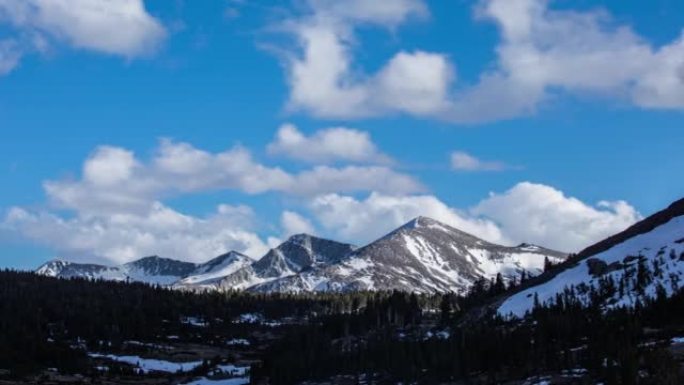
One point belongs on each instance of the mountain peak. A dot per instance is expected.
(229, 256)
(423, 224)
(421, 221)
(155, 265)
(52, 268)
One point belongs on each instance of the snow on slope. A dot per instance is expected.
(211, 272)
(661, 250)
(64, 269)
(424, 255)
(296, 255)
(151, 270)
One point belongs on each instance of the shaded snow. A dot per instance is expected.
(656, 244)
(228, 381)
(147, 365)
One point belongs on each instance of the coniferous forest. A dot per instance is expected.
(51, 325)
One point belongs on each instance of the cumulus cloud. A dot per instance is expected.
(114, 210)
(116, 27)
(293, 223)
(462, 161)
(528, 212)
(320, 72)
(123, 237)
(327, 146)
(544, 215)
(542, 52)
(363, 220)
(114, 180)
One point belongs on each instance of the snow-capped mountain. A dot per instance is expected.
(163, 271)
(296, 255)
(640, 262)
(211, 272)
(63, 269)
(152, 270)
(424, 255)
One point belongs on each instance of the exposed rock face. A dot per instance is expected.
(298, 254)
(424, 255)
(153, 270)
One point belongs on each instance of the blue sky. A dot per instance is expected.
(187, 129)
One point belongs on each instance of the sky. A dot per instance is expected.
(186, 129)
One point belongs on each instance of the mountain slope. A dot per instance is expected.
(63, 269)
(298, 253)
(628, 267)
(209, 273)
(424, 255)
(152, 270)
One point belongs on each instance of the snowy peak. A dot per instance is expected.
(221, 262)
(157, 266)
(212, 271)
(423, 255)
(298, 253)
(52, 268)
(427, 255)
(63, 269)
(434, 228)
(302, 251)
(152, 270)
(631, 266)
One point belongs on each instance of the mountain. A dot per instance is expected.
(297, 254)
(641, 262)
(63, 269)
(206, 275)
(424, 255)
(152, 270)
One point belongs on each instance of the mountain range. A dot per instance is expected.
(423, 255)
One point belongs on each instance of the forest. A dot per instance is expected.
(381, 337)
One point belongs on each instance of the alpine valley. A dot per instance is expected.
(424, 256)
(425, 304)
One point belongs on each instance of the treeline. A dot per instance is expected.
(389, 336)
(50, 323)
(626, 346)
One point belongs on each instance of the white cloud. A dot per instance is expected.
(115, 210)
(543, 215)
(109, 166)
(293, 223)
(527, 212)
(415, 83)
(116, 27)
(364, 220)
(123, 237)
(10, 55)
(388, 12)
(114, 180)
(542, 52)
(321, 77)
(327, 146)
(462, 161)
